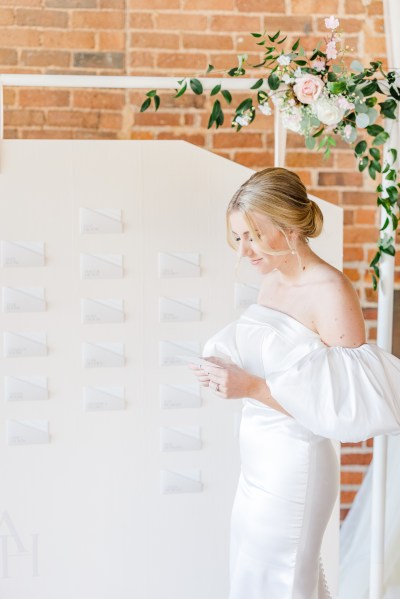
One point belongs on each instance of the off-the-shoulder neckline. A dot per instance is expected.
(279, 312)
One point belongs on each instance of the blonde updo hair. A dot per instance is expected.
(281, 195)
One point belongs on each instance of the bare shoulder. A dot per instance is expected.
(337, 309)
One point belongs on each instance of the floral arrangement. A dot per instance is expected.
(320, 98)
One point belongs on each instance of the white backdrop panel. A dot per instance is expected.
(84, 513)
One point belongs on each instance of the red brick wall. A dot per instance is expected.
(181, 37)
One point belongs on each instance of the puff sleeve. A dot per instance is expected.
(347, 394)
(223, 344)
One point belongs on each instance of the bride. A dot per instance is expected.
(299, 360)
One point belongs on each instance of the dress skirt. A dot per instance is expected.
(287, 488)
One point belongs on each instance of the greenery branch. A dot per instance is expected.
(320, 98)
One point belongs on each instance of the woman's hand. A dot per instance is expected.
(226, 379)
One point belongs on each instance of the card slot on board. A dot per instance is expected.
(103, 355)
(25, 388)
(22, 253)
(178, 264)
(100, 220)
(103, 398)
(24, 344)
(99, 311)
(170, 352)
(179, 309)
(180, 396)
(101, 266)
(245, 295)
(180, 481)
(180, 438)
(24, 299)
(27, 432)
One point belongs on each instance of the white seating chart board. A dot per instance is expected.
(118, 471)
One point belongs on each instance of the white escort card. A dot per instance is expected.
(178, 264)
(180, 481)
(27, 432)
(179, 309)
(97, 311)
(22, 253)
(100, 220)
(103, 398)
(102, 355)
(180, 396)
(25, 388)
(180, 438)
(24, 344)
(101, 266)
(245, 295)
(24, 299)
(172, 353)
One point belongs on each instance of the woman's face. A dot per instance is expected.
(271, 237)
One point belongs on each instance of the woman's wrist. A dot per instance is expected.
(258, 389)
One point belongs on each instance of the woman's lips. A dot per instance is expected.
(256, 261)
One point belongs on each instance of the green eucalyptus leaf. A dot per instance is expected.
(370, 88)
(156, 102)
(375, 153)
(380, 139)
(375, 129)
(356, 66)
(362, 120)
(257, 84)
(375, 259)
(273, 81)
(295, 45)
(372, 170)
(145, 104)
(385, 224)
(360, 147)
(227, 95)
(372, 115)
(181, 91)
(215, 90)
(310, 143)
(196, 86)
(362, 165)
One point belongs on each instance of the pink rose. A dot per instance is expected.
(307, 88)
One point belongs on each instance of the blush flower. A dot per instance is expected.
(331, 51)
(347, 130)
(318, 64)
(308, 88)
(331, 22)
(344, 103)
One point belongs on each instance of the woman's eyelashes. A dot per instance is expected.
(250, 239)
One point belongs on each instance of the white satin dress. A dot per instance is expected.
(289, 476)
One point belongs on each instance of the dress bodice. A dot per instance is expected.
(349, 394)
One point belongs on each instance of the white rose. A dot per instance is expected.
(328, 112)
